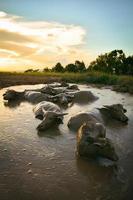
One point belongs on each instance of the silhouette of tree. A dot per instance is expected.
(71, 68)
(128, 66)
(46, 69)
(80, 66)
(58, 68)
(109, 62)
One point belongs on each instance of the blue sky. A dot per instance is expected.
(108, 24)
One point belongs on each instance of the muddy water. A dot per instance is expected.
(44, 165)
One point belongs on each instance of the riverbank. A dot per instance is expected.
(10, 79)
(119, 83)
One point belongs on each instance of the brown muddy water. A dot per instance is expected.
(36, 166)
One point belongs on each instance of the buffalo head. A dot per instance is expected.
(50, 118)
(116, 111)
(10, 95)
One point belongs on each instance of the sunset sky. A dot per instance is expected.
(40, 33)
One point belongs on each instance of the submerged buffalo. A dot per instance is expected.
(12, 95)
(30, 96)
(52, 90)
(72, 87)
(62, 84)
(62, 98)
(83, 96)
(65, 96)
(36, 97)
(92, 143)
(91, 137)
(115, 111)
(49, 113)
(60, 95)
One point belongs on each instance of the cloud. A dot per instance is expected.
(39, 43)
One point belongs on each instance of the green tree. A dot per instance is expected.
(128, 66)
(58, 68)
(71, 68)
(109, 62)
(80, 66)
(46, 69)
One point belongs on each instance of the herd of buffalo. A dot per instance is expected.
(90, 126)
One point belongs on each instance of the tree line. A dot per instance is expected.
(76, 67)
(114, 62)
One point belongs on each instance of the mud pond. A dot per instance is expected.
(36, 166)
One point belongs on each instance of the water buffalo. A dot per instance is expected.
(30, 96)
(49, 113)
(58, 94)
(57, 89)
(52, 90)
(72, 87)
(79, 119)
(83, 96)
(92, 143)
(13, 95)
(115, 111)
(62, 84)
(66, 96)
(62, 98)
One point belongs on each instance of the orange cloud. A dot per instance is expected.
(39, 43)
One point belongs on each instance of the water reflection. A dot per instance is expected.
(51, 133)
(91, 168)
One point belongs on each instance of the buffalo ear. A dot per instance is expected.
(104, 108)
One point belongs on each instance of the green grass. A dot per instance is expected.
(120, 83)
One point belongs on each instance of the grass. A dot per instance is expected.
(120, 83)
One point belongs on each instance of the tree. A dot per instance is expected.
(58, 68)
(128, 66)
(109, 62)
(71, 68)
(46, 69)
(80, 66)
(116, 60)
